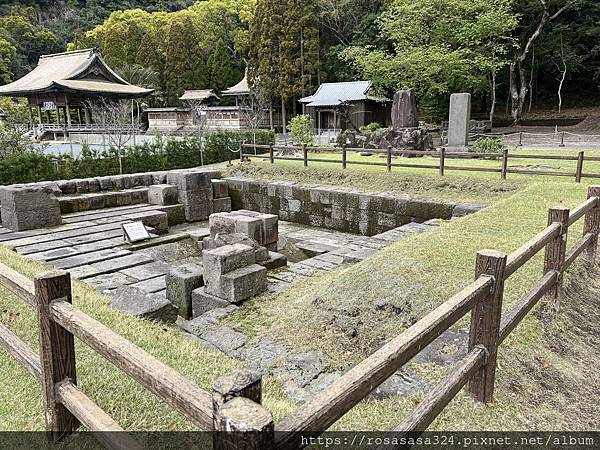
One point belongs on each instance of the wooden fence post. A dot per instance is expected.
(271, 154)
(57, 353)
(305, 154)
(241, 153)
(485, 323)
(239, 419)
(520, 139)
(592, 222)
(389, 158)
(344, 156)
(504, 163)
(556, 250)
(442, 161)
(579, 172)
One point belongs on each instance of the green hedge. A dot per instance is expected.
(31, 166)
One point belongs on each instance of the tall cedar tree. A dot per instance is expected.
(184, 65)
(223, 73)
(284, 59)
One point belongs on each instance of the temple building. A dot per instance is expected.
(340, 106)
(62, 85)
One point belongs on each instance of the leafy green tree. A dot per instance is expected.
(223, 71)
(438, 47)
(7, 55)
(301, 130)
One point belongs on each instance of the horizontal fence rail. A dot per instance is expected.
(442, 155)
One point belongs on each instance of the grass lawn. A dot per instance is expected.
(378, 298)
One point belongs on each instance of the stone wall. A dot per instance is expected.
(339, 209)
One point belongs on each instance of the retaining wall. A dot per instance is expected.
(339, 209)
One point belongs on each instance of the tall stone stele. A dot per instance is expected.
(404, 110)
(459, 123)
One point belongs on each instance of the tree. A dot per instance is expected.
(438, 47)
(118, 124)
(285, 58)
(539, 14)
(222, 70)
(7, 56)
(184, 66)
(301, 130)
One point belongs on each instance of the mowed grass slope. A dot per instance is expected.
(350, 313)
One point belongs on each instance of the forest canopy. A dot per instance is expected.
(519, 53)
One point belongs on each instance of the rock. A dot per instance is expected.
(203, 302)
(404, 110)
(244, 283)
(274, 261)
(263, 356)
(295, 392)
(465, 209)
(221, 261)
(137, 303)
(404, 382)
(181, 281)
(29, 208)
(162, 195)
(225, 339)
(220, 189)
(302, 368)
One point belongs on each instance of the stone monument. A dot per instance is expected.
(460, 121)
(404, 110)
(405, 132)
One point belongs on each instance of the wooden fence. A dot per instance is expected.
(234, 412)
(442, 155)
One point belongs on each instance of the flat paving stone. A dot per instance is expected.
(96, 237)
(36, 248)
(53, 254)
(147, 271)
(109, 281)
(88, 258)
(225, 339)
(124, 262)
(152, 285)
(82, 272)
(100, 245)
(55, 236)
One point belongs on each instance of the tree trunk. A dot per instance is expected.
(493, 105)
(283, 119)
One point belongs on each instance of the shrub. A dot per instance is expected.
(32, 165)
(301, 130)
(489, 145)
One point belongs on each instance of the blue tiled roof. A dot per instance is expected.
(333, 94)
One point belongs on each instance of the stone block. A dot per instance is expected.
(187, 180)
(251, 227)
(175, 214)
(159, 177)
(198, 205)
(221, 223)
(219, 261)
(93, 185)
(222, 205)
(275, 261)
(67, 186)
(270, 228)
(459, 120)
(83, 186)
(203, 302)
(386, 220)
(121, 182)
(181, 281)
(220, 188)
(105, 183)
(244, 283)
(27, 208)
(261, 254)
(137, 303)
(141, 180)
(163, 194)
(154, 219)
